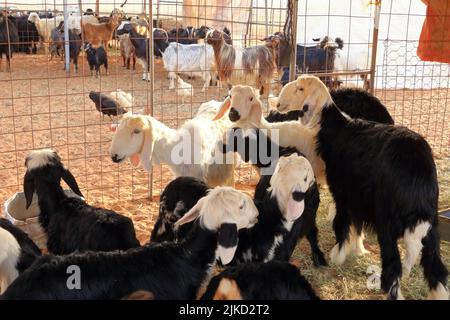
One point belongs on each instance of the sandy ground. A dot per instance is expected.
(41, 106)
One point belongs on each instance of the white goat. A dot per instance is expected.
(190, 151)
(192, 59)
(45, 27)
(352, 60)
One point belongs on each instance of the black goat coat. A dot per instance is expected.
(167, 270)
(9, 37)
(273, 280)
(28, 35)
(178, 197)
(29, 251)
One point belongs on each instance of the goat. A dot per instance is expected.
(9, 39)
(100, 33)
(160, 41)
(45, 26)
(177, 198)
(193, 59)
(127, 51)
(57, 41)
(184, 89)
(182, 35)
(316, 58)
(74, 48)
(168, 270)
(254, 65)
(17, 253)
(273, 280)
(71, 224)
(200, 33)
(245, 111)
(141, 45)
(287, 202)
(390, 186)
(145, 140)
(356, 103)
(28, 35)
(96, 57)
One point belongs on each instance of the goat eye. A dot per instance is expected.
(251, 99)
(136, 131)
(305, 108)
(301, 89)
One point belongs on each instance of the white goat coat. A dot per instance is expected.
(9, 256)
(206, 135)
(192, 59)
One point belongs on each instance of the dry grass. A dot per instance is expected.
(41, 107)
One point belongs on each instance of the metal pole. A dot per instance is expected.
(292, 64)
(149, 107)
(66, 36)
(373, 64)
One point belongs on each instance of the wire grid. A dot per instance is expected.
(416, 92)
(42, 106)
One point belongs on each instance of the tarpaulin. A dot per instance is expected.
(434, 43)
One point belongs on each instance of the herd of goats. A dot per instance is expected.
(212, 241)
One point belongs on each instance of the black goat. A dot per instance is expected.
(9, 39)
(381, 176)
(178, 197)
(183, 35)
(167, 270)
(274, 280)
(70, 223)
(96, 57)
(200, 33)
(28, 35)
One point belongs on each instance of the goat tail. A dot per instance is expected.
(434, 269)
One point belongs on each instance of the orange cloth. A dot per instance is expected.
(434, 43)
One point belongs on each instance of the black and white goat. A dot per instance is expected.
(183, 35)
(17, 253)
(356, 103)
(96, 57)
(287, 202)
(200, 33)
(168, 270)
(70, 223)
(141, 45)
(381, 176)
(275, 280)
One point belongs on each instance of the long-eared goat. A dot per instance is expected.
(96, 57)
(17, 253)
(70, 223)
(275, 280)
(287, 202)
(145, 140)
(168, 270)
(381, 176)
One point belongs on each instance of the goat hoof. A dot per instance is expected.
(319, 260)
(337, 256)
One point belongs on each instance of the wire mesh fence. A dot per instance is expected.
(43, 106)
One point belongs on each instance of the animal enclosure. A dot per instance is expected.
(44, 106)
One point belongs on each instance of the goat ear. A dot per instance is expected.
(223, 109)
(227, 242)
(191, 215)
(147, 147)
(28, 189)
(68, 178)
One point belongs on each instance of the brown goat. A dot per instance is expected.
(253, 65)
(100, 33)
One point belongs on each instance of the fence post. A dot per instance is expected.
(150, 57)
(66, 36)
(292, 64)
(376, 26)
